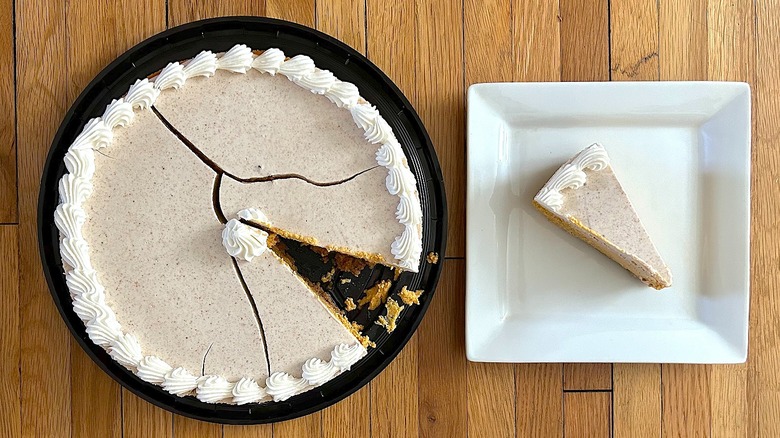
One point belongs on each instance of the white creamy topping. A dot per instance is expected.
(95, 135)
(408, 212)
(379, 132)
(318, 82)
(297, 67)
(390, 154)
(69, 219)
(205, 64)
(253, 214)
(104, 329)
(172, 76)
(344, 356)
(75, 254)
(142, 94)
(317, 371)
(118, 113)
(88, 305)
(152, 369)
(407, 245)
(81, 282)
(247, 391)
(269, 61)
(238, 59)
(572, 176)
(343, 94)
(126, 350)
(179, 381)
(213, 389)
(282, 386)
(400, 180)
(80, 162)
(364, 115)
(242, 241)
(74, 189)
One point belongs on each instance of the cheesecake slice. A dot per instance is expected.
(585, 198)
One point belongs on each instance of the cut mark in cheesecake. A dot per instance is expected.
(252, 303)
(218, 170)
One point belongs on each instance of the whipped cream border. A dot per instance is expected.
(572, 176)
(89, 299)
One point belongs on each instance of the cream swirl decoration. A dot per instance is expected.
(572, 176)
(75, 187)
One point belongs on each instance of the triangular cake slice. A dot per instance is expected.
(585, 198)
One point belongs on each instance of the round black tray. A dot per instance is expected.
(220, 34)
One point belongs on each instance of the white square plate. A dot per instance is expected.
(682, 153)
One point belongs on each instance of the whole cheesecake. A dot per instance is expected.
(175, 198)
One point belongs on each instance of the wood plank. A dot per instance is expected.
(390, 45)
(634, 40)
(685, 391)
(440, 103)
(584, 40)
(765, 297)
(443, 407)
(350, 417)
(637, 400)
(96, 398)
(539, 400)
(184, 11)
(345, 20)
(308, 426)
(184, 427)
(257, 431)
(587, 376)
(491, 399)
(144, 420)
(45, 363)
(731, 57)
(8, 212)
(11, 425)
(682, 40)
(587, 414)
(298, 11)
(537, 41)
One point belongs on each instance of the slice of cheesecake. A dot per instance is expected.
(585, 198)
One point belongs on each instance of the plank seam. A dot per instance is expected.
(16, 120)
(566, 391)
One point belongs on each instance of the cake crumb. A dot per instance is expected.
(396, 273)
(346, 280)
(319, 250)
(410, 297)
(375, 295)
(432, 258)
(349, 264)
(328, 276)
(349, 304)
(355, 329)
(393, 311)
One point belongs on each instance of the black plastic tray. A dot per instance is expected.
(220, 34)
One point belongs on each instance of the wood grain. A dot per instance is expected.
(298, 11)
(731, 57)
(587, 414)
(686, 401)
(537, 40)
(11, 423)
(763, 394)
(584, 40)
(682, 40)
(96, 398)
(442, 408)
(634, 40)
(184, 11)
(41, 90)
(637, 400)
(587, 376)
(345, 20)
(144, 420)
(350, 417)
(256, 431)
(184, 427)
(8, 213)
(491, 399)
(539, 400)
(390, 37)
(440, 103)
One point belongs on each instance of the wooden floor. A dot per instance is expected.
(433, 49)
